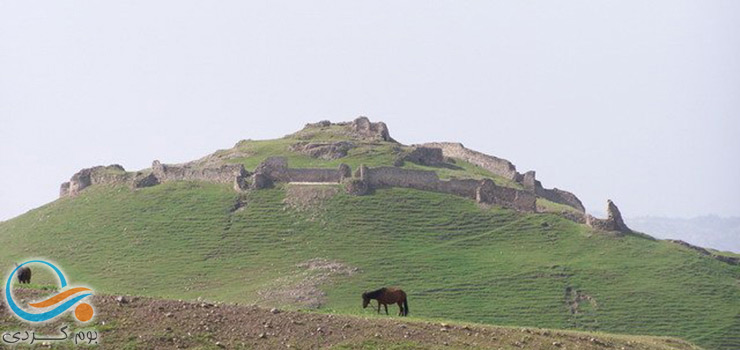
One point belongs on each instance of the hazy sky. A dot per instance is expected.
(637, 101)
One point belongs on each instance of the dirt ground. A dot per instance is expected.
(126, 322)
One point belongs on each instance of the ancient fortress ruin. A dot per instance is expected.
(364, 180)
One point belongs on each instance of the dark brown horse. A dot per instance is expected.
(24, 274)
(386, 296)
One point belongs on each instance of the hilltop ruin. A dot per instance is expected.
(364, 179)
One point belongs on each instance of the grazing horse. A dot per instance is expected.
(386, 296)
(24, 274)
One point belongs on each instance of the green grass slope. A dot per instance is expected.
(456, 260)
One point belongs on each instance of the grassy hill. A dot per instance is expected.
(293, 246)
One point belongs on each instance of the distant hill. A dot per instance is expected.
(721, 233)
(311, 220)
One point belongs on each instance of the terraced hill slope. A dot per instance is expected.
(318, 247)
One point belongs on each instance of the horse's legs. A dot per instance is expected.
(400, 308)
(378, 307)
(386, 308)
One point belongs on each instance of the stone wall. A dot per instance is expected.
(483, 191)
(498, 166)
(364, 129)
(399, 177)
(464, 188)
(111, 174)
(429, 156)
(506, 169)
(613, 222)
(192, 172)
(359, 129)
(276, 168)
(314, 175)
(366, 179)
(559, 196)
(159, 173)
(323, 150)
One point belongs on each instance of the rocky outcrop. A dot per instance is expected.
(323, 150)
(613, 222)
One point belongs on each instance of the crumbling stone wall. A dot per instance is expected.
(528, 181)
(159, 173)
(429, 156)
(399, 177)
(498, 166)
(459, 187)
(314, 175)
(276, 168)
(144, 179)
(363, 128)
(192, 172)
(323, 150)
(84, 178)
(613, 222)
(559, 196)
(488, 192)
(359, 129)
(726, 259)
(506, 169)
(483, 191)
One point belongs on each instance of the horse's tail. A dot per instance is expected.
(405, 307)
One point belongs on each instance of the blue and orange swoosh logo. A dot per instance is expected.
(83, 312)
